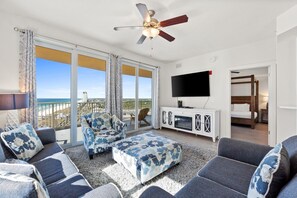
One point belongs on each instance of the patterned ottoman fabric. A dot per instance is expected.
(147, 155)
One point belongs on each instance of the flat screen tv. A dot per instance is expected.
(191, 85)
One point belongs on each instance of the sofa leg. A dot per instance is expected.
(91, 157)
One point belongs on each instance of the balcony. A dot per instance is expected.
(57, 115)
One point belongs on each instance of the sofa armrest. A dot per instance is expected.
(106, 191)
(155, 191)
(242, 151)
(46, 135)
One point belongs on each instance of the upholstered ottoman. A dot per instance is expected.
(147, 155)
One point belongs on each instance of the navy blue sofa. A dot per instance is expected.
(59, 173)
(228, 175)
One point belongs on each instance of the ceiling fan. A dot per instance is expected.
(151, 26)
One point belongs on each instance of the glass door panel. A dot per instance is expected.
(129, 96)
(53, 78)
(144, 97)
(91, 73)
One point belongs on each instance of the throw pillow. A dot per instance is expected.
(103, 121)
(271, 174)
(23, 168)
(23, 141)
(18, 185)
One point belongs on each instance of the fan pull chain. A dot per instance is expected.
(152, 48)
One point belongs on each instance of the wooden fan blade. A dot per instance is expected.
(144, 12)
(127, 27)
(174, 21)
(166, 36)
(142, 38)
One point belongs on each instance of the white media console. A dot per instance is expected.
(205, 122)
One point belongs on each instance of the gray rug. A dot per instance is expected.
(103, 169)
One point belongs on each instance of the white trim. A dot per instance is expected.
(288, 107)
(272, 98)
(73, 97)
(136, 97)
(52, 42)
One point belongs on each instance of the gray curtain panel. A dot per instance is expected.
(114, 86)
(27, 76)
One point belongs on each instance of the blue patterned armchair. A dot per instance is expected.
(100, 131)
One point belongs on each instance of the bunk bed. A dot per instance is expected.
(245, 109)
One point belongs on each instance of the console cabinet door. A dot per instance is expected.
(198, 122)
(207, 123)
(164, 119)
(170, 118)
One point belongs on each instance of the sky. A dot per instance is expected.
(53, 81)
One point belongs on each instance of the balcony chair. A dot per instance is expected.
(141, 116)
(100, 131)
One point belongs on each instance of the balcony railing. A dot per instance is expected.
(58, 114)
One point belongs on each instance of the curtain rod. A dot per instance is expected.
(23, 31)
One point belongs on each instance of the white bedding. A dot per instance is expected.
(243, 114)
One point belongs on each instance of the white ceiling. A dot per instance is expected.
(213, 24)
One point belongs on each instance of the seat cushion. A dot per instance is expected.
(23, 168)
(55, 168)
(230, 173)
(271, 175)
(205, 188)
(19, 185)
(73, 186)
(48, 150)
(22, 141)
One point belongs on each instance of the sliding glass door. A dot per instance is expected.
(137, 96)
(90, 87)
(53, 79)
(145, 91)
(129, 95)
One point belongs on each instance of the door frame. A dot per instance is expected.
(272, 91)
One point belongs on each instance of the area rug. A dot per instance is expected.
(103, 169)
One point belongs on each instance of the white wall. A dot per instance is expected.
(287, 73)
(287, 20)
(286, 84)
(9, 48)
(263, 51)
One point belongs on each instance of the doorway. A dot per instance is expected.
(249, 104)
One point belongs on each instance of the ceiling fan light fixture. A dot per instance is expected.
(150, 32)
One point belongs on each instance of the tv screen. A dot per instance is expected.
(190, 85)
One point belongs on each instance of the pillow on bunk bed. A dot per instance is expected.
(242, 107)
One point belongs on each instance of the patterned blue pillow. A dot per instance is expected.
(22, 141)
(271, 174)
(103, 121)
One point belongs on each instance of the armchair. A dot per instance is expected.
(100, 130)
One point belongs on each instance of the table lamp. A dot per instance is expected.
(13, 101)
